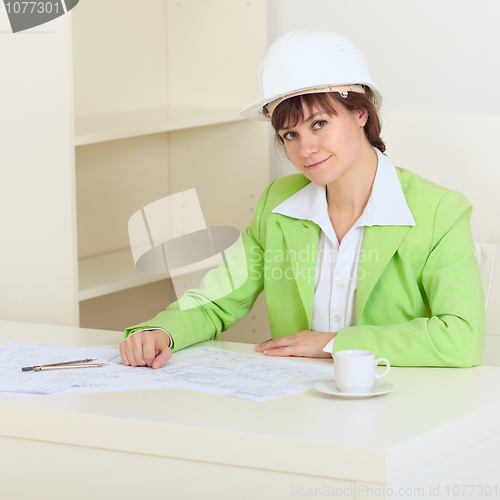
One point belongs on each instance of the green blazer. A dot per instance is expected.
(420, 300)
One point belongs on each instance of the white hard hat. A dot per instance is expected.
(303, 62)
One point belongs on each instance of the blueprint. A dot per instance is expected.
(198, 368)
(15, 355)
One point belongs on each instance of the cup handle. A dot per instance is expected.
(377, 361)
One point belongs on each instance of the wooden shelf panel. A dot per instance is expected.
(109, 127)
(111, 273)
(115, 271)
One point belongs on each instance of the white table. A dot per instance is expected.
(439, 430)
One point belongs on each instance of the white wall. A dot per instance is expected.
(430, 54)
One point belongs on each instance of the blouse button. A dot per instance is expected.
(340, 285)
(337, 318)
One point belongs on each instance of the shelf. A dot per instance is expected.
(101, 128)
(109, 273)
(115, 271)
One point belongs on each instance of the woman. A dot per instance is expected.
(352, 252)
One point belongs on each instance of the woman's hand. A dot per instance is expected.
(306, 343)
(146, 348)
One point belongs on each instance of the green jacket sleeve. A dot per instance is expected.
(222, 298)
(452, 333)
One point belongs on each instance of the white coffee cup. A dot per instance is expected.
(355, 371)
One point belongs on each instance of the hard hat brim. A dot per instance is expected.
(256, 110)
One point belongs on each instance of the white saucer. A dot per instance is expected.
(329, 387)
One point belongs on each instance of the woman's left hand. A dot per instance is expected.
(306, 343)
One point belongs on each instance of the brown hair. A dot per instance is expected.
(288, 113)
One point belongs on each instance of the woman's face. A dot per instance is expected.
(324, 147)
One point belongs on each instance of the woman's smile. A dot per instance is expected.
(312, 166)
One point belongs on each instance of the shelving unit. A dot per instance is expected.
(112, 272)
(133, 101)
(172, 125)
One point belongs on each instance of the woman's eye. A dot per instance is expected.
(289, 136)
(319, 124)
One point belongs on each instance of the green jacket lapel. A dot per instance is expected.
(379, 245)
(301, 237)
